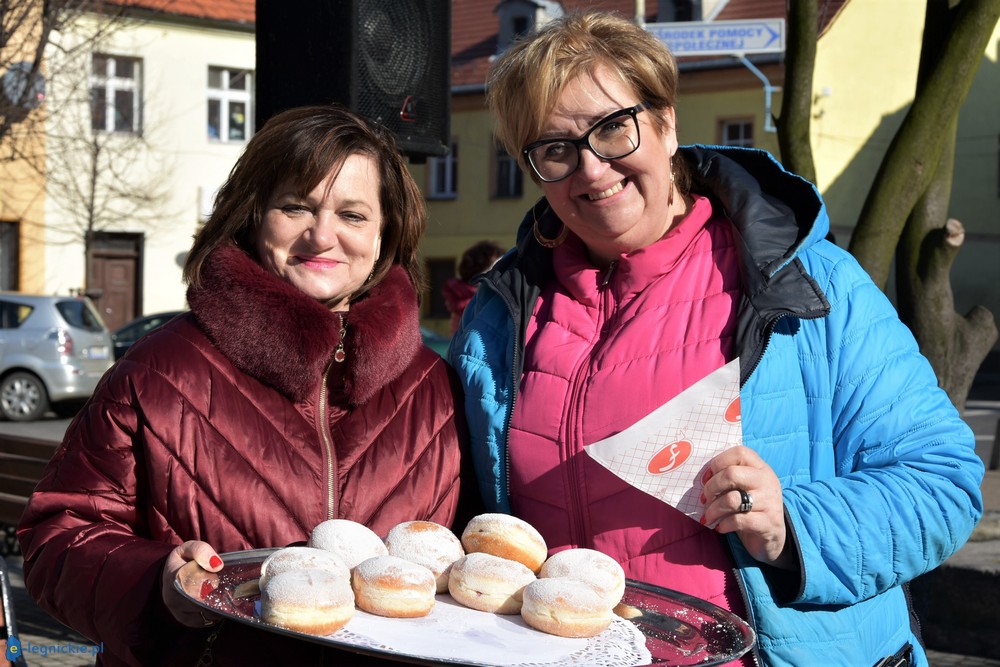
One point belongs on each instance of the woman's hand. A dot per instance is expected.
(762, 527)
(182, 609)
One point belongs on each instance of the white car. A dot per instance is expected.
(53, 349)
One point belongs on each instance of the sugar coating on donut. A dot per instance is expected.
(565, 607)
(595, 568)
(489, 583)
(505, 536)
(394, 587)
(301, 558)
(317, 602)
(426, 543)
(352, 541)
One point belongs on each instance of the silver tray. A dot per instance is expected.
(678, 629)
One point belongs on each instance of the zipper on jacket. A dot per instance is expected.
(607, 309)
(766, 340)
(324, 432)
(515, 385)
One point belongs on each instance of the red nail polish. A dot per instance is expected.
(215, 561)
(206, 589)
(703, 499)
(707, 476)
(702, 520)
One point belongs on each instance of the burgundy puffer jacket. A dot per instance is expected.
(215, 428)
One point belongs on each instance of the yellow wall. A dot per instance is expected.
(22, 186)
(454, 225)
(474, 215)
(863, 82)
(22, 200)
(870, 72)
(699, 114)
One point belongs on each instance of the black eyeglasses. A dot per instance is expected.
(614, 136)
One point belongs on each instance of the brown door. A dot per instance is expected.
(115, 277)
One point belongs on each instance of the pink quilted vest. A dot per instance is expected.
(605, 348)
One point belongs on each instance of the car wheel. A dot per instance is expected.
(23, 397)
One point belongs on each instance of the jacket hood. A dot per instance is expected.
(760, 196)
(273, 332)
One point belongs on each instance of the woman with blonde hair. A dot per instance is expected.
(648, 266)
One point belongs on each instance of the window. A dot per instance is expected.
(678, 10)
(507, 175)
(520, 25)
(10, 256)
(12, 315)
(438, 272)
(736, 133)
(443, 175)
(115, 100)
(519, 17)
(229, 93)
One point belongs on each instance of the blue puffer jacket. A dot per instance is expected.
(879, 473)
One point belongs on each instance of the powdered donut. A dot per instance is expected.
(597, 569)
(426, 543)
(489, 583)
(394, 587)
(505, 536)
(301, 558)
(352, 541)
(565, 607)
(317, 602)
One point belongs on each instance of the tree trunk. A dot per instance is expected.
(915, 151)
(796, 100)
(955, 346)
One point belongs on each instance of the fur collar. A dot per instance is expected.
(271, 331)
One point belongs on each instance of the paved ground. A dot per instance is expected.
(982, 553)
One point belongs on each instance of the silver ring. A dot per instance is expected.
(746, 502)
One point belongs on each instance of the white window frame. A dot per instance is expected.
(442, 174)
(745, 126)
(111, 83)
(503, 163)
(226, 96)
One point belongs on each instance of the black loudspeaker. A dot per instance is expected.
(387, 60)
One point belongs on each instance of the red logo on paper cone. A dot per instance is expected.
(669, 458)
(732, 415)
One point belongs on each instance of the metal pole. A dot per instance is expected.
(768, 89)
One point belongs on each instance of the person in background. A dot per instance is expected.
(457, 291)
(646, 267)
(295, 391)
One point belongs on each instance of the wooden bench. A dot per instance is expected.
(22, 462)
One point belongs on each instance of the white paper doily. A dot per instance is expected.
(455, 633)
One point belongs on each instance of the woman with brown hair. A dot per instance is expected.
(295, 391)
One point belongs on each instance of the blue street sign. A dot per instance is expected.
(689, 38)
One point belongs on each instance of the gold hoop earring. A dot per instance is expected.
(543, 240)
(670, 197)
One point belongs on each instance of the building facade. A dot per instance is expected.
(175, 82)
(147, 122)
